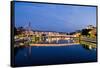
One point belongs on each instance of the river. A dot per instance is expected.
(42, 55)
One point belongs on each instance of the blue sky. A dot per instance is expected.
(51, 17)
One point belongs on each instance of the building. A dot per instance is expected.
(90, 27)
(93, 33)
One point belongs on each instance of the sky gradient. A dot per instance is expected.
(51, 17)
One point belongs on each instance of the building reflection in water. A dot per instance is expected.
(88, 47)
(56, 40)
(53, 40)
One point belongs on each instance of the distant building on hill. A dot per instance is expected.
(90, 27)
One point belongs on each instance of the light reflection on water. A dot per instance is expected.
(55, 41)
(55, 55)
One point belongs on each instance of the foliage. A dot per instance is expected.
(18, 30)
(85, 32)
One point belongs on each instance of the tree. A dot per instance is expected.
(85, 32)
(71, 33)
(15, 31)
(18, 30)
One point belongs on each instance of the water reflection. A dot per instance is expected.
(16, 49)
(49, 40)
(63, 54)
(46, 40)
(88, 47)
(33, 55)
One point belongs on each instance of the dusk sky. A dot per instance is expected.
(51, 17)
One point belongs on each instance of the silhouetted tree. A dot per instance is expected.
(18, 30)
(15, 31)
(71, 33)
(85, 32)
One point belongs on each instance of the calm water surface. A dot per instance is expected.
(54, 55)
